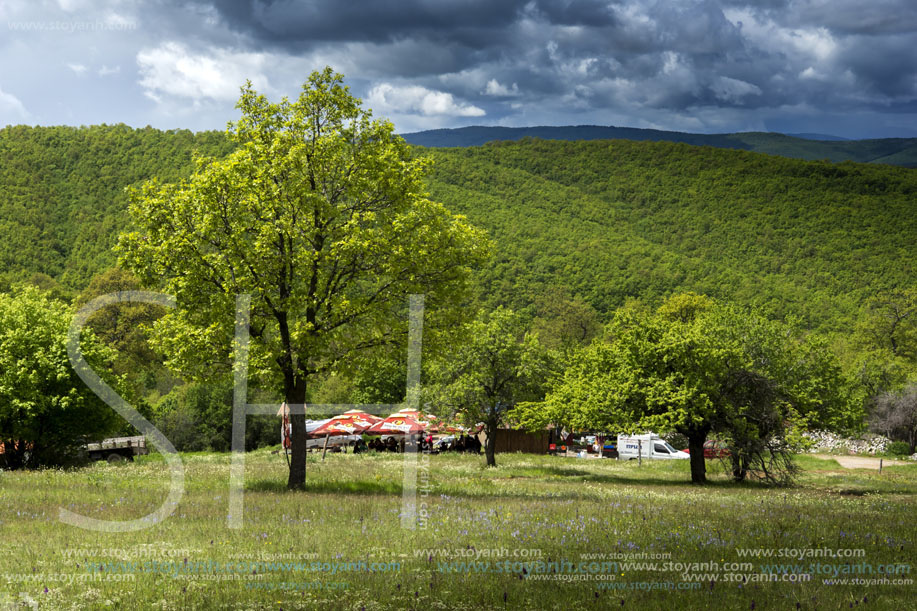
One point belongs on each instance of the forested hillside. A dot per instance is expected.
(891, 151)
(618, 219)
(62, 200)
(610, 219)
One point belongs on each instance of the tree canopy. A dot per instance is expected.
(321, 215)
(46, 411)
(494, 367)
(694, 366)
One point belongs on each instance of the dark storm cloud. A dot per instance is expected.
(886, 66)
(662, 55)
(308, 22)
(849, 16)
(698, 65)
(577, 12)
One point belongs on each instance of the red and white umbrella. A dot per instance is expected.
(417, 415)
(397, 424)
(446, 427)
(353, 422)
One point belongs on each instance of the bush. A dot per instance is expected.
(898, 448)
(46, 411)
(197, 417)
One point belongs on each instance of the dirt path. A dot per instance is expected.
(861, 462)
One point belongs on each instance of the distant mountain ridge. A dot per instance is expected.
(823, 137)
(890, 151)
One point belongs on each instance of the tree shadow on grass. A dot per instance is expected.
(360, 487)
(395, 489)
(629, 479)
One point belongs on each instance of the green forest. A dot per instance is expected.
(62, 199)
(580, 231)
(614, 220)
(611, 220)
(891, 151)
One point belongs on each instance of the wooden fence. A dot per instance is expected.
(512, 440)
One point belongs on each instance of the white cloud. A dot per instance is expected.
(10, 106)
(415, 99)
(120, 22)
(817, 42)
(811, 74)
(78, 68)
(813, 43)
(106, 71)
(733, 90)
(495, 88)
(73, 5)
(172, 69)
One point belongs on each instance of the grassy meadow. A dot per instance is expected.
(537, 532)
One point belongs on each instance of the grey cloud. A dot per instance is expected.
(887, 66)
(641, 62)
(577, 12)
(590, 40)
(875, 17)
(366, 20)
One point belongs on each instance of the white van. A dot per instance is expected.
(651, 446)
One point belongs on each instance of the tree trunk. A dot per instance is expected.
(490, 443)
(696, 438)
(295, 393)
(739, 468)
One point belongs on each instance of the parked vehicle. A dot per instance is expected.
(649, 446)
(117, 449)
(444, 443)
(713, 448)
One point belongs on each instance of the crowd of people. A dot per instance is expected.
(463, 443)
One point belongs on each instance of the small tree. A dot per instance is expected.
(756, 429)
(46, 412)
(320, 214)
(564, 322)
(892, 323)
(486, 375)
(895, 415)
(696, 367)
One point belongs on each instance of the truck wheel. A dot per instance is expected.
(114, 459)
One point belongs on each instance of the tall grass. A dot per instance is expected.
(533, 507)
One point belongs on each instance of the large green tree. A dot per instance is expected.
(320, 214)
(124, 327)
(494, 367)
(695, 367)
(46, 412)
